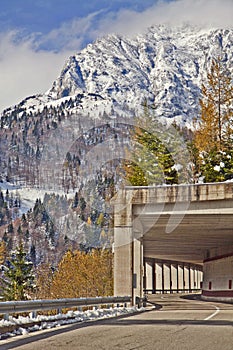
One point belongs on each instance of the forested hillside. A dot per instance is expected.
(154, 110)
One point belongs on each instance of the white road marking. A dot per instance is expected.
(212, 315)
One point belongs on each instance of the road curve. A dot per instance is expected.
(176, 323)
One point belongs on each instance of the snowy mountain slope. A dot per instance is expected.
(47, 140)
(166, 66)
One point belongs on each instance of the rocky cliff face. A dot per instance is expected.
(165, 66)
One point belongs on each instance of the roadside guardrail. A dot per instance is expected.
(11, 307)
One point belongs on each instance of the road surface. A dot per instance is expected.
(177, 323)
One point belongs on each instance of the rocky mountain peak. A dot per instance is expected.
(165, 66)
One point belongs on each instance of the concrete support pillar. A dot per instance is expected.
(158, 276)
(180, 277)
(125, 276)
(128, 264)
(137, 269)
(123, 254)
(174, 277)
(167, 276)
(193, 278)
(186, 278)
(149, 275)
(199, 278)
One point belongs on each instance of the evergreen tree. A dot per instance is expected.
(76, 200)
(151, 162)
(27, 235)
(51, 233)
(1, 199)
(18, 278)
(19, 231)
(39, 212)
(33, 254)
(10, 228)
(24, 220)
(7, 195)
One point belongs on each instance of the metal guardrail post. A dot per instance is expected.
(34, 314)
(6, 317)
(141, 301)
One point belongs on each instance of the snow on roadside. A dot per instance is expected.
(47, 322)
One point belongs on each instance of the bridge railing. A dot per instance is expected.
(12, 307)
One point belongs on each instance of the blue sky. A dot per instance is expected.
(44, 15)
(37, 36)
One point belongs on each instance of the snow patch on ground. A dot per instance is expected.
(28, 195)
(47, 322)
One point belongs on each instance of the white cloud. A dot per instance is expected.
(214, 13)
(70, 35)
(24, 71)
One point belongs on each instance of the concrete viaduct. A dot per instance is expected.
(164, 237)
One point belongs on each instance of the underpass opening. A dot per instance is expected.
(202, 219)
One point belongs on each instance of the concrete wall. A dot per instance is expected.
(218, 278)
(182, 193)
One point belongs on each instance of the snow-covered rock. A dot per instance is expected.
(166, 66)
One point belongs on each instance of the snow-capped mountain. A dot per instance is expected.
(63, 141)
(165, 66)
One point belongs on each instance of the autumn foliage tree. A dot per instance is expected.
(83, 274)
(44, 278)
(213, 139)
(3, 252)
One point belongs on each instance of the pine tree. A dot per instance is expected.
(76, 200)
(24, 220)
(33, 254)
(10, 228)
(151, 162)
(18, 278)
(1, 199)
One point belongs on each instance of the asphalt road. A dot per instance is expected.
(177, 323)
